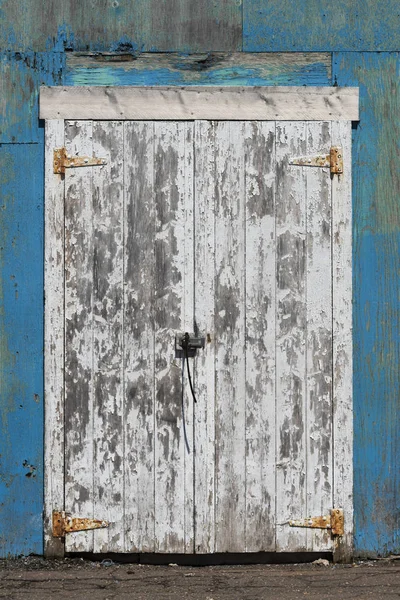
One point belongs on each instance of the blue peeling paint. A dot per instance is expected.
(109, 74)
(376, 312)
(22, 73)
(311, 25)
(21, 349)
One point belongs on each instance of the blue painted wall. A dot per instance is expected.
(35, 41)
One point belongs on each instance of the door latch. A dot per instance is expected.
(187, 344)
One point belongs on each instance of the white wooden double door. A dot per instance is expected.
(205, 227)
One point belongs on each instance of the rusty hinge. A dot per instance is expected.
(334, 521)
(333, 160)
(63, 161)
(63, 523)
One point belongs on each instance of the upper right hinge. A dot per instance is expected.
(333, 160)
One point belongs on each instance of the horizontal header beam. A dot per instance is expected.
(198, 102)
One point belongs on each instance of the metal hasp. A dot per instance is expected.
(333, 160)
(63, 523)
(62, 161)
(334, 521)
(189, 343)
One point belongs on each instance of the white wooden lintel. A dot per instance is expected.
(199, 102)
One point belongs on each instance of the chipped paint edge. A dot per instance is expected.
(53, 340)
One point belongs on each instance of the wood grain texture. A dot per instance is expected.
(204, 227)
(79, 373)
(138, 319)
(107, 332)
(187, 103)
(179, 25)
(210, 68)
(54, 340)
(21, 75)
(229, 334)
(173, 313)
(291, 314)
(376, 309)
(318, 281)
(342, 344)
(311, 26)
(260, 307)
(205, 233)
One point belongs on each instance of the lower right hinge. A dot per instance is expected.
(334, 521)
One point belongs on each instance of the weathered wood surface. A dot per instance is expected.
(211, 68)
(376, 308)
(106, 198)
(139, 342)
(21, 75)
(229, 332)
(291, 328)
(319, 397)
(79, 366)
(282, 25)
(342, 343)
(178, 25)
(260, 332)
(209, 230)
(200, 102)
(53, 339)
(173, 313)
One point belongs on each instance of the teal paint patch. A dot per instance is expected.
(310, 25)
(208, 69)
(21, 74)
(376, 306)
(21, 349)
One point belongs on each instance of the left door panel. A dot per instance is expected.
(128, 290)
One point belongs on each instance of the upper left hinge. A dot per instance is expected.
(62, 161)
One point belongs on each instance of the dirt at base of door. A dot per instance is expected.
(78, 579)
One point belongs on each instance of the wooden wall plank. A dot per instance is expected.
(260, 308)
(107, 332)
(21, 349)
(21, 74)
(178, 25)
(290, 337)
(172, 314)
(138, 318)
(319, 426)
(54, 339)
(376, 264)
(211, 68)
(229, 338)
(281, 25)
(342, 344)
(79, 240)
(186, 103)
(205, 319)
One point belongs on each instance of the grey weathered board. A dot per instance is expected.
(202, 226)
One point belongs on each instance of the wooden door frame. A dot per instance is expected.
(339, 105)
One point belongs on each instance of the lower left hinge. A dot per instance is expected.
(63, 523)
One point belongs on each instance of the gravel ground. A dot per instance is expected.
(78, 579)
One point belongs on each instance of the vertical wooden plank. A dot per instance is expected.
(53, 339)
(290, 336)
(204, 500)
(260, 336)
(342, 342)
(186, 236)
(172, 314)
(319, 440)
(138, 319)
(229, 338)
(79, 335)
(107, 228)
